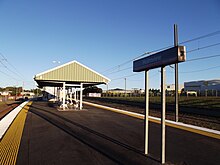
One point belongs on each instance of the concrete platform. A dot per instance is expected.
(97, 136)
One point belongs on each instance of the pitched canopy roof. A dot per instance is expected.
(72, 73)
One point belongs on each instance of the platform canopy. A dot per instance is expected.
(70, 73)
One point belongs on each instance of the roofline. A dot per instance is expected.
(60, 66)
(68, 63)
(218, 79)
(92, 70)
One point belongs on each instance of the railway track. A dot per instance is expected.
(6, 109)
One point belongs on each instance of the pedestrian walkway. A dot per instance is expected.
(10, 142)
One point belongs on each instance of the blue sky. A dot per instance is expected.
(103, 34)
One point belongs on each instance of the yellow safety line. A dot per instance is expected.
(201, 132)
(9, 144)
(194, 130)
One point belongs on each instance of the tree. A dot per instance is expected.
(92, 89)
(37, 91)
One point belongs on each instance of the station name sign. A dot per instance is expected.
(167, 57)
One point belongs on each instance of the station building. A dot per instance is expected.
(67, 82)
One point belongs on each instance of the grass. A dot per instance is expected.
(197, 102)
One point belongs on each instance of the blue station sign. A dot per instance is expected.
(167, 57)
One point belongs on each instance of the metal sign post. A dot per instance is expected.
(163, 113)
(146, 111)
(176, 77)
(161, 59)
(167, 57)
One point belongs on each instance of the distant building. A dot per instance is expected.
(115, 91)
(118, 90)
(50, 93)
(6, 93)
(27, 94)
(138, 91)
(203, 87)
(94, 95)
(171, 87)
(122, 92)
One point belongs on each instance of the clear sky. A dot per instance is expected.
(103, 34)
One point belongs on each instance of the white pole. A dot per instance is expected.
(71, 94)
(64, 95)
(60, 94)
(80, 106)
(75, 94)
(146, 111)
(163, 113)
(55, 97)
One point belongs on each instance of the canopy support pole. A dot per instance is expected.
(80, 106)
(64, 95)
